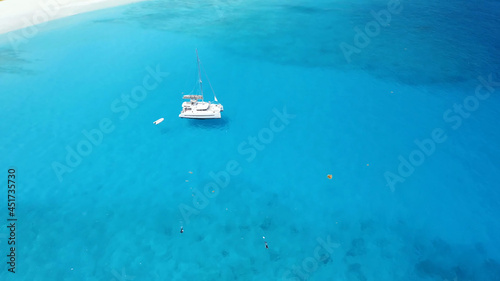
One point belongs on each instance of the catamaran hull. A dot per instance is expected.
(187, 115)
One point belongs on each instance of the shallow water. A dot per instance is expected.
(116, 211)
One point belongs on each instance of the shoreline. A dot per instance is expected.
(19, 14)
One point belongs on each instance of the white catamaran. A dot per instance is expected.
(196, 107)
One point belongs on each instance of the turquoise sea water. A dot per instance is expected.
(296, 110)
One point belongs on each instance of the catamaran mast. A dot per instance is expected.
(199, 74)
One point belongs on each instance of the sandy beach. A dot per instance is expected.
(17, 14)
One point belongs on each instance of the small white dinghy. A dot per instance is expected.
(158, 121)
